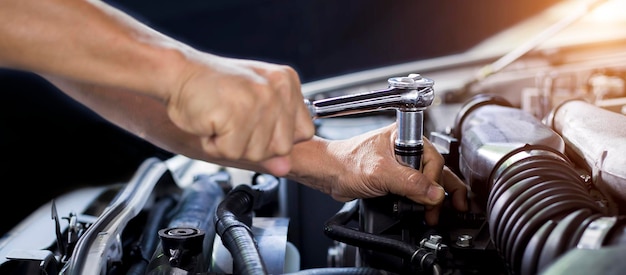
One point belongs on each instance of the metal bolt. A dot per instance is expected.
(464, 240)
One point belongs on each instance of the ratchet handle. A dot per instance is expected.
(409, 146)
(409, 96)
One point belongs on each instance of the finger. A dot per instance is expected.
(270, 137)
(456, 188)
(277, 166)
(301, 118)
(431, 215)
(209, 147)
(420, 187)
(432, 165)
(416, 186)
(260, 146)
(304, 128)
(249, 132)
(432, 162)
(283, 132)
(230, 142)
(292, 126)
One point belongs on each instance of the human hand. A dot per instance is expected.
(456, 190)
(232, 112)
(242, 110)
(365, 166)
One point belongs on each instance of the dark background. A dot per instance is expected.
(51, 144)
(324, 38)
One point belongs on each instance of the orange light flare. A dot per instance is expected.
(606, 22)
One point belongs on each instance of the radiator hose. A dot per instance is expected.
(234, 219)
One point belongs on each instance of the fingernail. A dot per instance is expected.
(435, 193)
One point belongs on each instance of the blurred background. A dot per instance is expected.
(325, 38)
(52, 144)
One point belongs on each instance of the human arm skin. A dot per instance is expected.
(365, 166)
(232, 109)
(359, 167)
(237, 113)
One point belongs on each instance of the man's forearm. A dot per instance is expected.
(87, 41)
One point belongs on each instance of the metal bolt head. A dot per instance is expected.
(412, 81)
(464, 240)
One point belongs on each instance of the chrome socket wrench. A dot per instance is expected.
(409, 96)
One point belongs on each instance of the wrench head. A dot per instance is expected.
(419, 92)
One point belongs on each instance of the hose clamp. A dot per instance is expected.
(596, 232)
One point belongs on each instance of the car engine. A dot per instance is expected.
(538, 135)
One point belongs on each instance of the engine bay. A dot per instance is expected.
(538, 142)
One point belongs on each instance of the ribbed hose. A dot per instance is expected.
(538, 206)
(236, 235)
(233, 223)
(335, 229)
(530, 197)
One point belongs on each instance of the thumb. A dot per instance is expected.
(277, 166)
(417, 187)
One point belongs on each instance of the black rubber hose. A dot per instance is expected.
(267, 187)
(528, 199)
(335, 229)
(233, 221)
(149, 240)
(238, 239)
